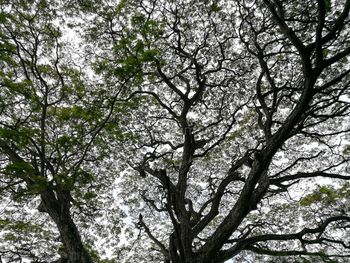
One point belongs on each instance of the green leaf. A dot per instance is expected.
(215, 7)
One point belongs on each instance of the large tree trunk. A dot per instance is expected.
(57, 206)
(72, 242)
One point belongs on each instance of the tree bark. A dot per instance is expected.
(57, 205)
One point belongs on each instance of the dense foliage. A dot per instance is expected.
(189, 131)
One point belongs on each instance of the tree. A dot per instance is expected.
(50, 124)
(239, 91)
(239, 109)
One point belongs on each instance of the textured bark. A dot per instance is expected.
(57, 206)
(72, 241)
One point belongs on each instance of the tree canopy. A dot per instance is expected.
(188, 131)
